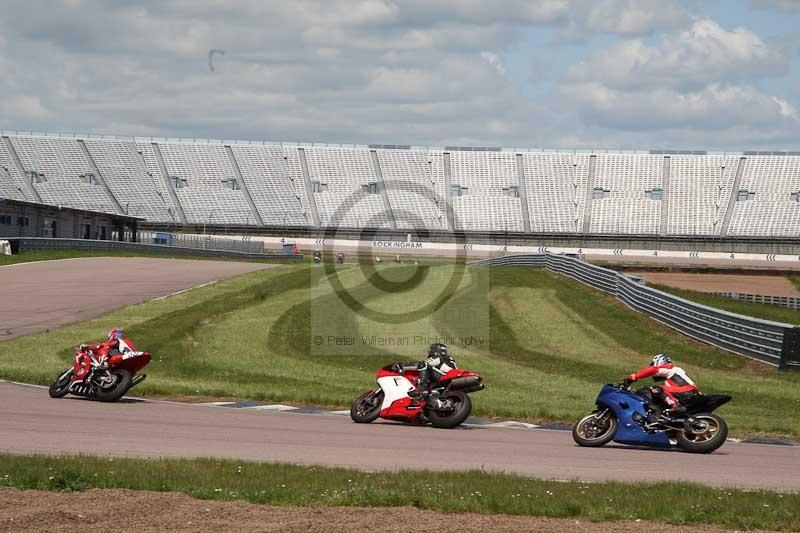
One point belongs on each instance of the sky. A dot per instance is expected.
(565, 74)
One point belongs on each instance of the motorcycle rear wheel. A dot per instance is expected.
(367, 407)
(707, 441)
(60, 386)
(590, 439)
(118, 390)
(454, 417)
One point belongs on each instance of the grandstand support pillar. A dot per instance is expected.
(387, 206)
(737, 184)
(448, 192)
(99, 176)
(523, 194)
(240, 180)
(665, 175)
(312, 200)
(587, 209)
(20, 169)
(168, 183)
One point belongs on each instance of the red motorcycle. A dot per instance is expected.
(105, 371)
(447, 406)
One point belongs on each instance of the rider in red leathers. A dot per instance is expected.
(677, 385)
(118, 347)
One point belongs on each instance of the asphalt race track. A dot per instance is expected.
(46, 294)
(33, 423)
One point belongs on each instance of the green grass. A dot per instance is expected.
(549, 343)
(757, 310)
(795, 280)
(479, 492)
(31, 256)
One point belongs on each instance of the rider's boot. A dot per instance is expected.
(422, 392)
(675, 412)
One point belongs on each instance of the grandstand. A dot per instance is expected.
(446, 189)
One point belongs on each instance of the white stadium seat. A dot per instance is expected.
(379, 186)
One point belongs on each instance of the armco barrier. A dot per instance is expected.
(42, 243)
(744, 335)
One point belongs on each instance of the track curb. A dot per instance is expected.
(472, 422)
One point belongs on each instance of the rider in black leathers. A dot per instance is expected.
(431, 369)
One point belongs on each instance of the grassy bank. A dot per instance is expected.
(31, 256)
(763, 311)
(277, 484)
(544, 343)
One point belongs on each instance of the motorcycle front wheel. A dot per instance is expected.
(60, 387)
(116, 390)
(367, 407)
(705, 434)
(595, 430)
(459, 406)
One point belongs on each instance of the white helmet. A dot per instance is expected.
(660, 359)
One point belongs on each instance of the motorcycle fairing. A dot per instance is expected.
(456, 373)
(706, 403)
(625, 405)
(396, 401)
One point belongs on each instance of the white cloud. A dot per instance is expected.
(705, 53)
(328, 70)
(700, 83)
(495, 61)
(411, 71)
(623, 17)
(23, 108)
(711, 108)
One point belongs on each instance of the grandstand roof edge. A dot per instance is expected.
(138, 138)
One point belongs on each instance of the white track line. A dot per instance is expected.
(184, 290)
(54, 260)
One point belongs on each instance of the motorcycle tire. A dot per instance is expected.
(122, 385)
(454, 418)
(705, 442)
(579, 432)
(60, 386)
(361, 416)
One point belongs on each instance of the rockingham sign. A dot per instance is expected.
(397, 244)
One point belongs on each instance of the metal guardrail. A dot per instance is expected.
(740, 334)
(40, 243)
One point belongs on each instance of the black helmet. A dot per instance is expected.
(437, 349)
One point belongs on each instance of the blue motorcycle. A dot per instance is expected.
(633, 418)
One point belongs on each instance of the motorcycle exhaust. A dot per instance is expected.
(474, 388)
(138, 379)
(462, 383)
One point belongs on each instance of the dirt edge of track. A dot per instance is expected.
(27, 510)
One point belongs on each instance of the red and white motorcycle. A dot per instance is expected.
(447, 407)
(105, 371)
